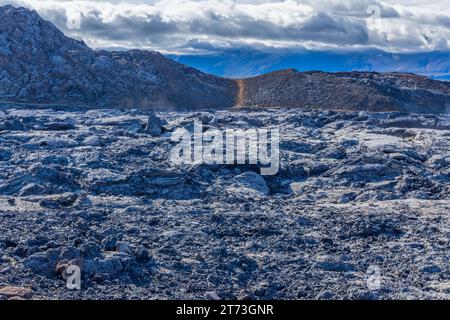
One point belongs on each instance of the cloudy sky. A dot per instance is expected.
(239, 38)
(180, 27)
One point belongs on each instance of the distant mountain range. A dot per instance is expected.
(40, 65)
(248, 62)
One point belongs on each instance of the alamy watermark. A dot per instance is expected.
(374, 18)
(73, 274)
(373, 277)
(231, 146)
(73, 20)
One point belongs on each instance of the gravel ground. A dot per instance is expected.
(355, 191)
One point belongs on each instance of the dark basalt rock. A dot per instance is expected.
(358, 91)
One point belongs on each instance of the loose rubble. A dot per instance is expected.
(354, 190)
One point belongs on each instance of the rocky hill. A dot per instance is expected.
(40, 65)
(355, 91)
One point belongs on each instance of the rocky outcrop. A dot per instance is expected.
(40, 65)
(356, 91)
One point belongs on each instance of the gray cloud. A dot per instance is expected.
(171, 25)
(126, 28)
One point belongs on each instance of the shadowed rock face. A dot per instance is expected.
(39, 64)
(355, 91)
